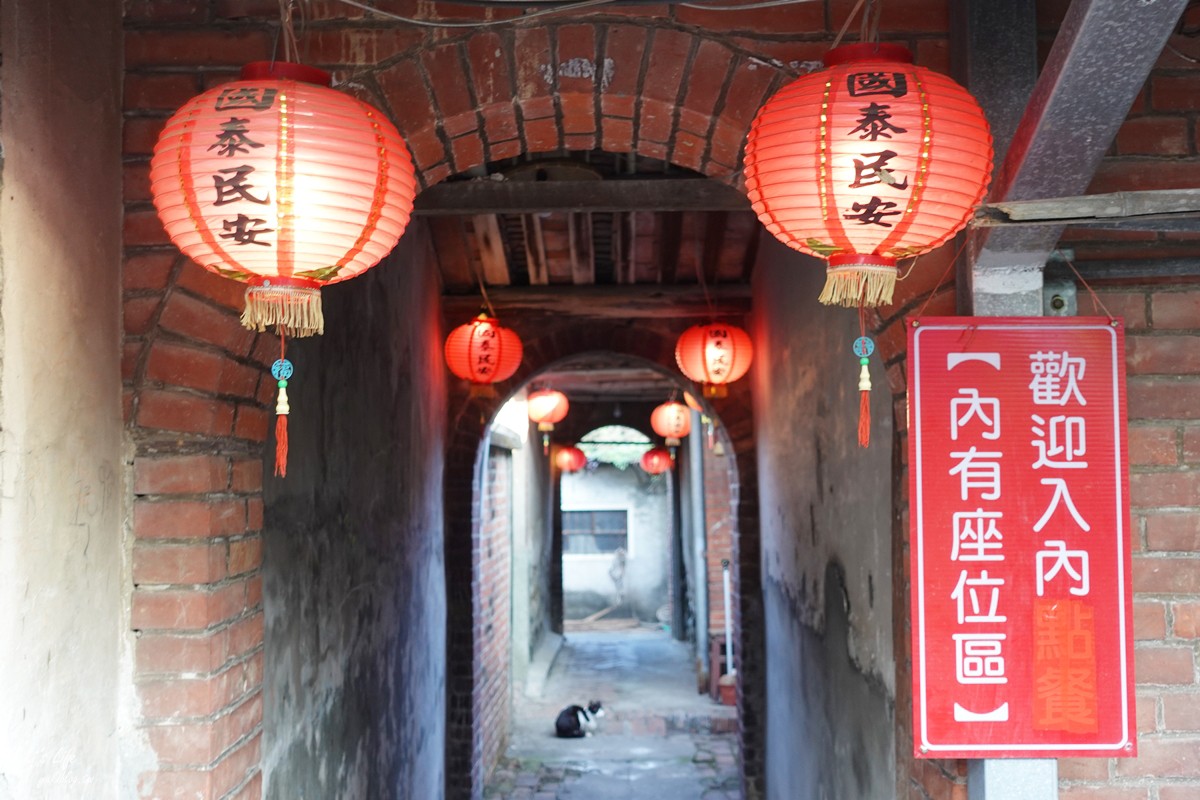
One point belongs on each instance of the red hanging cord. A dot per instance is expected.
(864, 387)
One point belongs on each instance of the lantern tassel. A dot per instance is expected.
(864, 407)
(296, 308)
(859, 286)
(281, 370)
(281, 445)
(281, 435)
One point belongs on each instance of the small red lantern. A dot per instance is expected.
(672, 421)
(483, 353)
(547, 407)
(868, 161)
(692, 403)
(714, 355)
(285, 184)
(570, 459)
(656, 460)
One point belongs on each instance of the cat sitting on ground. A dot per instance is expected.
(576, 722)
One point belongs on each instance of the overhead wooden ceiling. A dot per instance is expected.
(543, 223)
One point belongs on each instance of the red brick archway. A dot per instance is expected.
(196, 389)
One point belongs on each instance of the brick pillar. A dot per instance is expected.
(197, 614)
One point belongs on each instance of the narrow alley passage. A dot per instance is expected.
(660, 738)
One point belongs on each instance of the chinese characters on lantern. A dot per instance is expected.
(235, 184)
(873, 166)
(1021, 600)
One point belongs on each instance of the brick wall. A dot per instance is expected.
(493, 680)
(720, 524)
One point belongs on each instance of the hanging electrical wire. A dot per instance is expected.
(557, 9)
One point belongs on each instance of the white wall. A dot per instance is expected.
(647, 502)
(65, 649)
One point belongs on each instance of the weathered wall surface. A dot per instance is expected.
(587, 585)
(354, 586)
(65, 664)
(826, 543)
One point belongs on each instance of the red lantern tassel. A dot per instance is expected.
(864, 417)
(281, 445)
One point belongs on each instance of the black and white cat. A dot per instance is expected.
(576, 722)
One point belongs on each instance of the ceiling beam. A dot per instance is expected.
(1159, 209)
(534, 197)
(620, 302)
(1100, 59)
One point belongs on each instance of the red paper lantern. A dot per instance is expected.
(656, 460)
(570, 459)
(672, 421)
(714, 355)
(546, 407)
(483, 352)
(285, 184)
(868, 161)
(692, 403)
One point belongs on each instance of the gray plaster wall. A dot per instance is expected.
(826, 542)
(354, 587)
(587, 585)
(66, 705)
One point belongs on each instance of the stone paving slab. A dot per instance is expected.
(617, 767)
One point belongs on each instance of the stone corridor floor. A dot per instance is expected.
(660, 739)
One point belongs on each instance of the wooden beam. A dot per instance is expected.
(620, 302)
(535, 250)
(583, 255)
(452, 251)
(1161, 204)
(667, 244)
(714, 241)
(491, 250)
(532, 197)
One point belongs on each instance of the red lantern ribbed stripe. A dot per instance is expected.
(276, 180)
(714, 355)
(570, 459)
(482, 351)
(656, 460)
(868, 161)
(672, 421)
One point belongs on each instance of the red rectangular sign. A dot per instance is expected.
(1022, 610)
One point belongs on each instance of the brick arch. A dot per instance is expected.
(545, 345)
(653, 87)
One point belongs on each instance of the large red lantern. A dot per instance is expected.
(868, 161)
(483, 352)
(285, 184)
(656, 460)
(570, 459)
(672, 421)
(714, 355)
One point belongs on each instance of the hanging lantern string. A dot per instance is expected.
(290, 51)
(846, 25)
(486, 300)
(954, 260)
(1096, 302)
